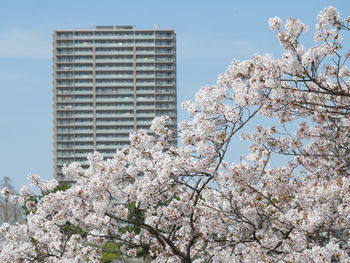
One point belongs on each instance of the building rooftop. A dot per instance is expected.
(125, 27)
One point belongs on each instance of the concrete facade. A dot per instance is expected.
(107, 82)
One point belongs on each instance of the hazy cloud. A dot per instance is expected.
(22, 43)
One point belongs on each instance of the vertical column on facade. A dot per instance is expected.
(174, 118)
(73, 133)
(94, 93)
(54, 67)
(155, 73)
(134, 82)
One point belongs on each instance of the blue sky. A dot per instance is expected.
(209, 35)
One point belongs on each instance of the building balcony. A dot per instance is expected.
(145, 52)
(83, 108)
(84, 123)
(83, 92)
(81, 115)
(113, 68)
(83, 131)
(171, 106)
(140, 36)
(83, 84)
(74, 147)
(112, 139)
(113, 84)
(59, 99)
(153, 114)
(160, 83)
(115, 76)
(144, 44)
(145, 60)
(111, 116)
(164, 60)
(145, 76)
(82, 44)
(161, 69)
(83, 60)
(77, 100)
(144, 122)
(65, 44)
(64, 107)
(82, 68)
(114, 123)
(65, 84)
(110, 147)
(83, 154)
(114, 37)
(64, 60)
(113, 99)
(165, 76)
(169, 99)
(75, 139)
(151, 91)
(164, 44)
(81, 76)
(65, 131)
(165, 37)
(151, 83)
(114, 60)
(77, 37)
(146, 99)
(113, 131)
(114, 52)
(146, 68)
(64, 76)
(84, 147)
(83, 52)
(64, 36)
(112, 108)
(151, 107)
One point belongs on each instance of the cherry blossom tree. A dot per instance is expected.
(188, 203)
(10, 210)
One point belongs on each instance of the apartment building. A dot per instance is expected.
(107, 82)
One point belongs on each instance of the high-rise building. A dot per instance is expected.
(107, 82)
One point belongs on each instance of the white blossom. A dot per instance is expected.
(275, 22)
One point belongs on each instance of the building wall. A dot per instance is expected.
(107, 82)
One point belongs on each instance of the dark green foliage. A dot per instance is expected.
(71, 229)
(110, 252)
(62, 186)
(136, 215)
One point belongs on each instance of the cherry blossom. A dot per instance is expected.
(191, 203)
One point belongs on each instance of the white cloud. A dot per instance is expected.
(22, 43)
